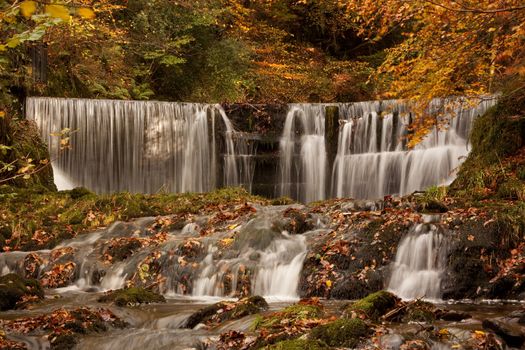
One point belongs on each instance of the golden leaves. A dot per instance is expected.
(58, 11)
(27, 8)
(86, 13)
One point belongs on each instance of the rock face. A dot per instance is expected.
(14, 288)
(473, 270)
(511, 329)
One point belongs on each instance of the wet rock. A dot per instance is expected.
(419, 311)
(132, 296)
(432, 206)
(342, 332)
(415, 345)
(13, 289)
(300, 222)
(224, 310)
(512, 334)
(374, 305)
(122, 248)
(63, 342)
(62, 327)
(452, 316)
(479, 246)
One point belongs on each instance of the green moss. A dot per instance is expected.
(375, 305)
(421, 311)
(512, 189)
(132, 296)
(291, 313)
(282, 201)
(341, 333)
(14, 287)
(299, 344)
(487, 171)
(28, 209)
(80, 192)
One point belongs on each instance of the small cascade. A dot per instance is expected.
(303, 159)
(276, 270)
(136, 146)
(280, 267)
(420, 262)
(261, 260)
(372, 158)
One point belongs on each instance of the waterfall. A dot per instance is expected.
(372, 158)
(303, 153)
(136, 146)
(151, 146)
(419, 263)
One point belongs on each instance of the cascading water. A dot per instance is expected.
(303, 153)
(372, 158)
(420, 262)
(135, 146)
(146, 147)
(270, 261)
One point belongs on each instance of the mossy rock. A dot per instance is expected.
(14, 287)
(64, 342)
(79, 192)
(299, 344)
(341, 333)
(291, 313)
(223, 311)
(374, 305)
(132, 296)
(420, 311)
(512, 189)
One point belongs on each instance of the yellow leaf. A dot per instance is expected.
(86, 13)
(2, 114)
(479, 332)
(231, 227)
(444, 331)
(28, 8)
(328, 283)
(58, 11)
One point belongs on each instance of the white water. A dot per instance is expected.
(276, 275)
(419, 263)
(136, 146)
(372, 158)
(302, 169)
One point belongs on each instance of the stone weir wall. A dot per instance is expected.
(308, 152)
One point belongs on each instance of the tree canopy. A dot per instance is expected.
(265, 51)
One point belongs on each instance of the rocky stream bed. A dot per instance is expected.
(246, 274)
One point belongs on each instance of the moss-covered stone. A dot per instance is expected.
(292, 313)
(493, 166)
(374, 305)
(299, 344)
(222, 311)
(25, 143)
(13, 288)
(420, 311)
(341, 333)
(132, 296)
